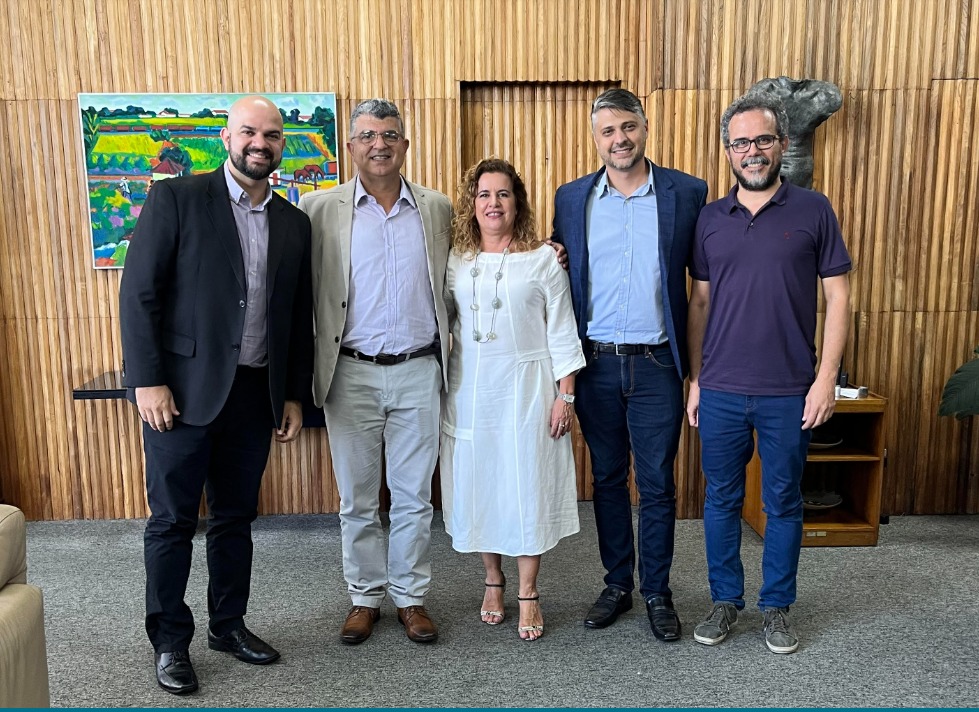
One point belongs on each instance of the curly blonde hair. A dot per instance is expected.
(465, 229)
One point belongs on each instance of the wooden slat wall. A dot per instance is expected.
(512, 77)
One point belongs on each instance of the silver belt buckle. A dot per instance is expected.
(617, 350)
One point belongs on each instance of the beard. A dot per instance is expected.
(624, 164)
(760, 182)
(240, 161)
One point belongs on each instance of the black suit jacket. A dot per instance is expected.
(679, 198)
(183, 293)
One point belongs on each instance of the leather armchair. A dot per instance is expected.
(23, 657)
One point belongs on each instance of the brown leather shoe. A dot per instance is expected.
(359, 624)
(418, 626)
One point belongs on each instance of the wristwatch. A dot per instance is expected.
(567, 397)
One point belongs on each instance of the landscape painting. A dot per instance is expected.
(134, 140)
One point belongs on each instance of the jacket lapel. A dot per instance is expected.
(344, 222)
(666, 217)
(580, 202)
(277, 238)
(426, 214)
(218, 205)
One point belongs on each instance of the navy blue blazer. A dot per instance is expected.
(679, 199)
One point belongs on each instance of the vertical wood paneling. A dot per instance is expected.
(515, 78)
(523, 123)
(546, 40)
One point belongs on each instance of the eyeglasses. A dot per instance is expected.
(741, 145)
(369, 137)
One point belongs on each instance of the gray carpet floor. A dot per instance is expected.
(891, 626)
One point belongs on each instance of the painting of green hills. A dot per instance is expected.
(132, 141)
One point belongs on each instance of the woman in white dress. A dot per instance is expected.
(508, 474)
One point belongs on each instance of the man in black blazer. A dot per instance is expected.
(628, 229)
(216, 317)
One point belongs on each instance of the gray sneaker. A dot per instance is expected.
(779, 636)
(718, 623)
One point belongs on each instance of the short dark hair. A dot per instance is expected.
(617, 100)
(379, 109)
(755, 101)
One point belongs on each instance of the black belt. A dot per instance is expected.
(390, 359)
(626, 349)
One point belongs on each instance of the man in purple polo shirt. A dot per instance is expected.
(757, 255)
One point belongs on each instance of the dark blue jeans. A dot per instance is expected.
(727, 424)
(633, 403)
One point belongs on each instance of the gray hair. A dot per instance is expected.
(755, 101)
(617, 100)
(379, 109)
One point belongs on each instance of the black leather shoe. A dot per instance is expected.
(175, 673)
(663, 618)
(610, 604)
(244, 645)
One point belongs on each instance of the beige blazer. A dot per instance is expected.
(331, 214)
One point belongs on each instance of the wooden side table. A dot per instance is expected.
(856, 470)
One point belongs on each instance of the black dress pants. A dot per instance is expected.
(224, 459)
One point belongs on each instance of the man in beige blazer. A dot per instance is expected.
(380, 246)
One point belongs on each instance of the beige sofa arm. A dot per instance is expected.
(23, 653)
(23, 658)
(13, 546)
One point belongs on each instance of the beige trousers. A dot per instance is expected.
(391, 410)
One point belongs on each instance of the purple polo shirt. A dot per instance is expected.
(763, 272)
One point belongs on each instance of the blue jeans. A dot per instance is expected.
(727, 421)
(623, 403)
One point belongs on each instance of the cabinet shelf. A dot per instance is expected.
(856, 469)
(837, 527)
(842, 454)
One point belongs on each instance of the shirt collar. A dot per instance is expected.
(781, 195)
(360, 192)
(602, 188)
(238, 193)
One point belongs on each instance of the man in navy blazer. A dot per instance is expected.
(216, 314)
(628, 230)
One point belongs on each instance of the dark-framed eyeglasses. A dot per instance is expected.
(741, 145)
(369, 137)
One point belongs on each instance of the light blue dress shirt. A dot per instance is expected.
(391, 305)
(625, 296)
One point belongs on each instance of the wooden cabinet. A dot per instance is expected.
(854, 469)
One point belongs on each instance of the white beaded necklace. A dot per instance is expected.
(496, 303)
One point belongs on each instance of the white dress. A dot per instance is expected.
(507, 486)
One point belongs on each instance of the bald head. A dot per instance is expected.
(252, 107)
(254, 138)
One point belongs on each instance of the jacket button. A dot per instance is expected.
(242, 303)
(336, 339)
(235, 346)
(343, 305)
